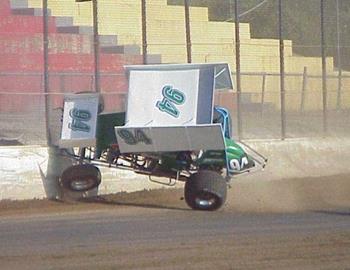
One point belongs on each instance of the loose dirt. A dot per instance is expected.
(288, 195)
(156, 230)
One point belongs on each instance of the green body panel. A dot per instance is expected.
(233, 150)
(210, 158)
(105, 134)
(169, 161)
(219, 158)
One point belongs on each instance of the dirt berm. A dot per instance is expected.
(300, 175)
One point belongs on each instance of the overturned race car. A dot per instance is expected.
(173, 128)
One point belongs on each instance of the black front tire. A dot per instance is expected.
(81, 178)
(205, 190)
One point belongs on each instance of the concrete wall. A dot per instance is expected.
(21, 177)
(299, 158)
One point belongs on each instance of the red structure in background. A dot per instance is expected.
(71, 64)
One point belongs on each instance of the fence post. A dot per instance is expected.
(144, 30)
(238, 72)
(46, 71)
(263, 86)
(282, 72)
(92, 79)
(339, 91)
(188, 32)
(96, 46)
(62, 83)
(339, 60)
(50, 181)
(303, 90)
(324, 72)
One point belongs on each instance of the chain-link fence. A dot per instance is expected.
(289, 59)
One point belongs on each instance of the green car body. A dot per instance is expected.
(233, 158)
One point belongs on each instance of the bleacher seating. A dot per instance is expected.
(71, 49)
(71, 59)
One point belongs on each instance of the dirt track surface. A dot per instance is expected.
(290, 224)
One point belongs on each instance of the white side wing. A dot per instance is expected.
(169, 139)
(162, 98)
(79, 120)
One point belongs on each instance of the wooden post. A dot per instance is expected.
(263, 86)
(282, 72)
(324, 72)
(96, 46)
(303, 90)
(188, 31)
(238, 72)
(144, 31)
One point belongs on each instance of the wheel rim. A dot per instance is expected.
(206, 200)
(82, 184)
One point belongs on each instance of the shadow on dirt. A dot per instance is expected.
(334, 212)
(9, 142)
(120, 202)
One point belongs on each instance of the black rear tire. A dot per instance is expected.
(205, 190)
(80, 178)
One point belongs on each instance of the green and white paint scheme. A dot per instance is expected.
(177, 116)
(79, 120)
(170, 130)
(171, 98)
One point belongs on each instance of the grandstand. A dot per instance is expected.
(71, 61)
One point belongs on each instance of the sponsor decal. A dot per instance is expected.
(134, 138)
(79, 119)
(171, 98)
(236, 165)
